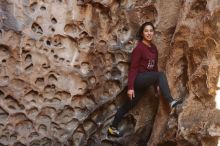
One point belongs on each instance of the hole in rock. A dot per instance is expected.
(89, 126)
(33, 135)
(52, 29)
(52, 78)
(102, 43)
(61, 59)
(9, 125)
(63, 95)
(199, 5)
(11, 107)
(185, 72)
(70, 124)
(42, 128)
(13, 137)
(24, 51)
(90, 142)
(5, 78)
(78, 138)
(48, 42)
(84, 85)
(211, 43)
(43, 8)
(33, 6)
(45, 66)
(45, 49)
(53, 20)
(19, 144)
(28, 58)
(81, 101)
(4, 48)
(24, 126)
(92, 80)
(46, 142)
(108, 75)
(57, 41)
(55, 127)
(124, 29)
(29, 67)
(109, 58)
(55, 56)
(36, 28)
(66, 115)
(149, 13)
(3, 60)
(35, 143)
(115, 72)
(18, 117)
(115, 87)
(119, 57)
(12, 103)
(43, 119)
(50, 88)
(32, 94)
(2, 94)
(77, 66)
(3, 139)
(56, 101)
(3, 115)
(70, 28)
(83, 34)
(85, 67)
(123, 67)
(39, 81)
(49, 111)
(32, 112)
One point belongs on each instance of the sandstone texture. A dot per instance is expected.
(64, 66)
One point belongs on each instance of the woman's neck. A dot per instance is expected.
(146, 42)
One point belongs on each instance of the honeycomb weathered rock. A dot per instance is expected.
(63, 71)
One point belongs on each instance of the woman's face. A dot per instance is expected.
(148, 33)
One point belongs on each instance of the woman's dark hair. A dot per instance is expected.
(139, 35)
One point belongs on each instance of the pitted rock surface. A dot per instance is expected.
(64, 66)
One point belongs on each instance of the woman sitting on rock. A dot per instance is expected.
(143, 72)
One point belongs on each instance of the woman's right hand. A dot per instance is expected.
(131, 94)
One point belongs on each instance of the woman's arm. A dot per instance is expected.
(135, 60)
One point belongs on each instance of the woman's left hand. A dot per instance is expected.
(157, 92)
(158, 89)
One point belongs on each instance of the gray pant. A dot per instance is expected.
(142, 82)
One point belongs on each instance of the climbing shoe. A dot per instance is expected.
(175, 102)
(114, 132)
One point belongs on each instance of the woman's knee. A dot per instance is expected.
(162, 75)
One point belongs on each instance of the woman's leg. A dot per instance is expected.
(152, 78)
(143, 81)
(129, 104)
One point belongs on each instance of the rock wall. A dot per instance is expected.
(64, 63)
(194, 60)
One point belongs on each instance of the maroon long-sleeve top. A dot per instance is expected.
(143, 59)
